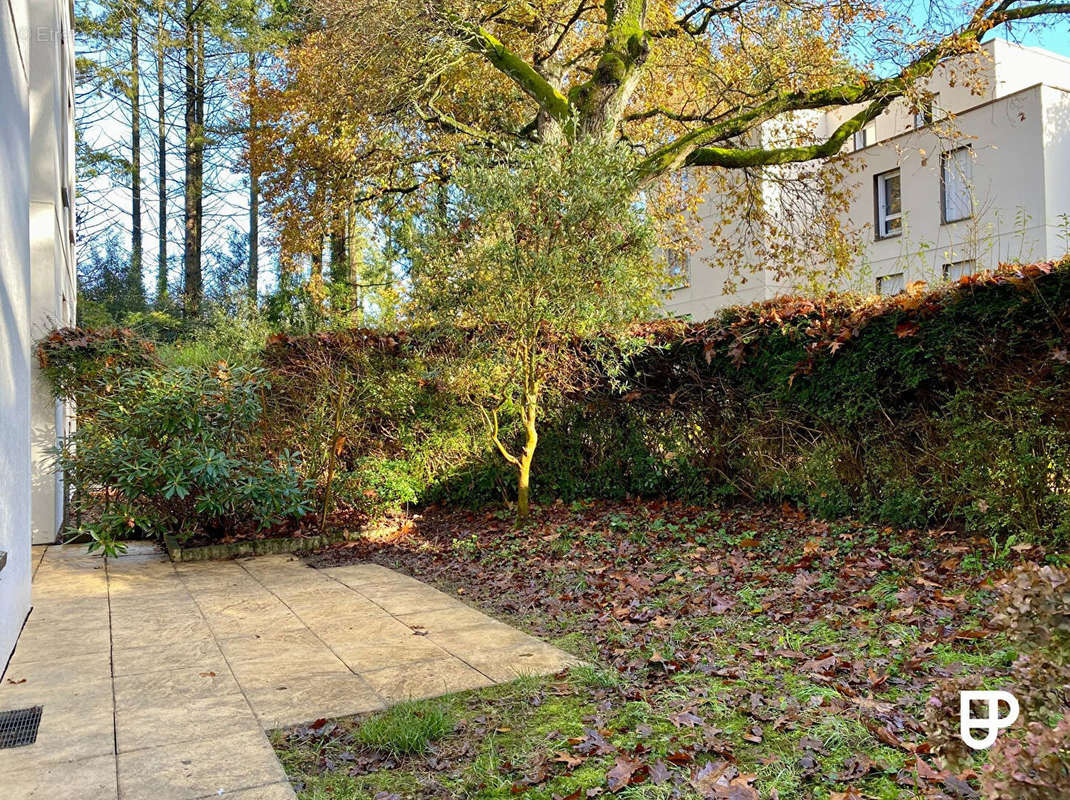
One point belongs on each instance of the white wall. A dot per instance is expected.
(1010, 213)
(14, 322)
(1019, 131)
(51, 250)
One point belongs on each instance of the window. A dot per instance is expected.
(924, 115)
(956, 184)
(864, 137)
(889, 205)
(891, 284)
(959, 269)
(678, 263)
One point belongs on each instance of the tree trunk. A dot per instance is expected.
(531, 441)
(136, 236)
(253, 276)
(161, 154)
(193, 288)
(337, 248)
(353, 255)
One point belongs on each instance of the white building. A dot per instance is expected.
(37, 280)
(961, 186)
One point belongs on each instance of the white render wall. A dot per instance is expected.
(37, 279)
(14, 322)
(1019, 131)
(51, 248)
(1010, 219)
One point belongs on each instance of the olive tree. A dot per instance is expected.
(524, 262)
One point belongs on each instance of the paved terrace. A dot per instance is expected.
(159, 680)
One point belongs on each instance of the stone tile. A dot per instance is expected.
(59, 551)
(339, 629)
(306, 697)
(141, 548)
(45, 642)
(210, 767)
(57, 670)
(256, 659)
(273, 791)
(203, 654)
(133, 587)
(157, 708)
(372, 654)
(362, 574)
(156, 609)
(397, 683)
(354, 612)
(65, 733)
(489, 635)
(445, 619)
(408, 600)
(257, 615)
(536, 658)
(145, 632)
(88, 779)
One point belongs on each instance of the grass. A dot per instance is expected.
(790, 652)
(405, 729)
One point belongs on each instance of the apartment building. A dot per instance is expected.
(37, 281)
(974, 177)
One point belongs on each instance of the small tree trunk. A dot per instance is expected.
(531, 441)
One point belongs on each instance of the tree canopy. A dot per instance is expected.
(382, 97)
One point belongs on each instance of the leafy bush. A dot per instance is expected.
(174, 450)
(75, 360)
(951, 406)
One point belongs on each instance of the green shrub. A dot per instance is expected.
(174, 451)
(921, 410)
(76, 360)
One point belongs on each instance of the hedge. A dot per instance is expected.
(937, 407)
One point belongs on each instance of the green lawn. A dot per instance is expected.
(740, 654)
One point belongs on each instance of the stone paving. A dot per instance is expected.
(159, 680)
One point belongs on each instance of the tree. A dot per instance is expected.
(134, 90)
(193, 209)
(689, 86)
(524, 261)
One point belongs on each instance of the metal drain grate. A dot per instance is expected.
(19, 727)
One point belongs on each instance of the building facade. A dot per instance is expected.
(973, 178)
(37, 281)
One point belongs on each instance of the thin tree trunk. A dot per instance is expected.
(337, 248)
(136, 237)
(161, 149)
(353, 253)
(253, 276)
(531, 441)
(193, 286)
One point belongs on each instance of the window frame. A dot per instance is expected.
(945, 157)
(945, 269)
(880, 219)
(900, 275)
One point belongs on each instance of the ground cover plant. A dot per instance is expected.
(742, 653)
